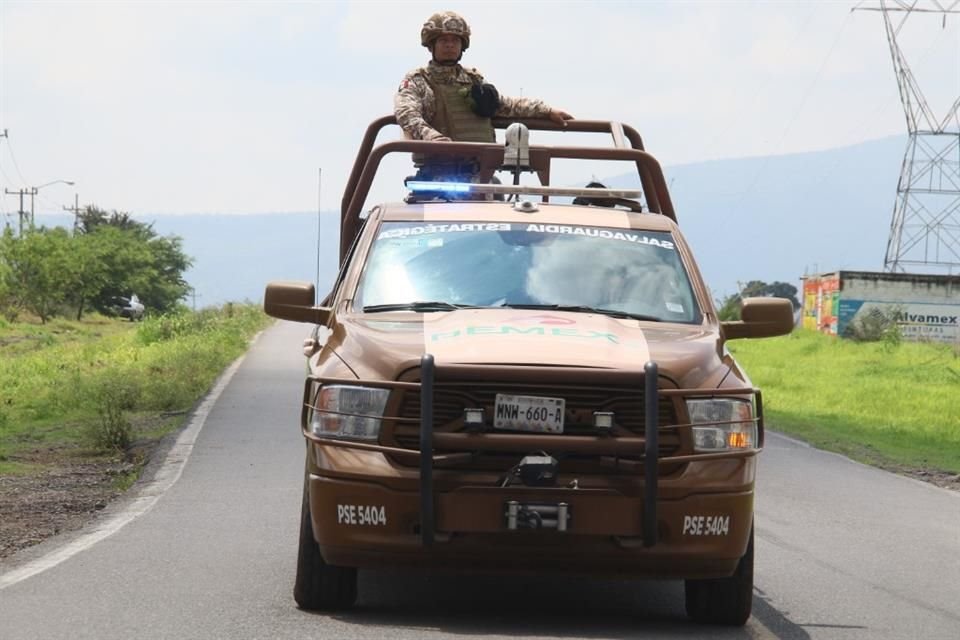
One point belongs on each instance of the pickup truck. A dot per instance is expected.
(525, 378)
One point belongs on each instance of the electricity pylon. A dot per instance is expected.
(925, 230)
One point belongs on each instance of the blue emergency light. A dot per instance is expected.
(447, 187)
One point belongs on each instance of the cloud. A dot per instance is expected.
(232, 106)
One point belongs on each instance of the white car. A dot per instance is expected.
(130, 307)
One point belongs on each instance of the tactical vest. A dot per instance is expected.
(456, 120)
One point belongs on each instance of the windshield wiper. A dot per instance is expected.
(613, 313)
(416, 306)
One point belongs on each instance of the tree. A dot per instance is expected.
(9, 304)
(165, 287)
(730, 307)
(110, 255)
(38, 269)
(136, 260)
(93, 217)
(88, 272)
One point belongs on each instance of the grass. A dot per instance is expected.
(125, 479)
(96, 387)
(882, 403)
(8, 468)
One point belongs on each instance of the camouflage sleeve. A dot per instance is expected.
(522, 108)
(410, 106)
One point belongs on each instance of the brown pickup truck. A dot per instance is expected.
(525, 377)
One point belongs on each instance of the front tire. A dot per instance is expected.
(726, 601)
(320, 586)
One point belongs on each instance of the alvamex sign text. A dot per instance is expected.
(903, 316)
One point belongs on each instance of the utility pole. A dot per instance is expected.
(33, 191)
(21, 212)
(75, 209)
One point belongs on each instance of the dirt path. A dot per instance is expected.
(63, 499)
(67, 492)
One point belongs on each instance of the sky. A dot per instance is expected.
(249, 107)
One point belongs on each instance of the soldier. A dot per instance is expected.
(444, 101)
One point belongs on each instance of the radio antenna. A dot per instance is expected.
(319, 216)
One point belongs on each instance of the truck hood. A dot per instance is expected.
(382, 346)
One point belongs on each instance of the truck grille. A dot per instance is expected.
(451, 398)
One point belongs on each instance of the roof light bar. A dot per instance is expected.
(447, 187)
(506, 189)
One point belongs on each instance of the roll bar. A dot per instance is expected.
(490, 158)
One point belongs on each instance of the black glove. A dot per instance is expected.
(486, 100)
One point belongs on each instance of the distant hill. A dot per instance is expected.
(768, 218)
(779, 217)
(236, 255)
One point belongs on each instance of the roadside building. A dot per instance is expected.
(925, 307)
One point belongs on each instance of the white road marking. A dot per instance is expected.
(165, 478)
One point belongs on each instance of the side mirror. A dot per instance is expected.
(294, 301)
(761, 318)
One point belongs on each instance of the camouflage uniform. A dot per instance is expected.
(437, 101)
(415, 104)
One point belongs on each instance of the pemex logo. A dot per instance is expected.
(527, 326)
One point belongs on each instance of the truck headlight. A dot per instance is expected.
(329, 417)
(728, 424)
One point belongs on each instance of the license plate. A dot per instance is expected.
(528, 413)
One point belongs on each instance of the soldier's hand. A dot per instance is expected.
(436, 136)
(560, 116)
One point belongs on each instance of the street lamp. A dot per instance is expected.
(34, 190)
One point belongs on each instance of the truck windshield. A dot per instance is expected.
(445, 265)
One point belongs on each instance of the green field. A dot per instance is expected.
(101, 386)
(886, 403)
(67, 387)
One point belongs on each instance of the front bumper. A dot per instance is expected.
(365, 524)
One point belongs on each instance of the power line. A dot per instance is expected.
(882, 106)
(766, 160)
(3, 206)
(75, 209)
(22, 212)
(15, 165)
(761, 90)
(50, 204)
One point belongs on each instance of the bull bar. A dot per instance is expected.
(618, 446)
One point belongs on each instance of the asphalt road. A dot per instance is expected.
(843, 551)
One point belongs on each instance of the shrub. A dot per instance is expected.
(876, 325)
(162, 328)
(114, 393)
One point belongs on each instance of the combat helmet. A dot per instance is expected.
(445, 22)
